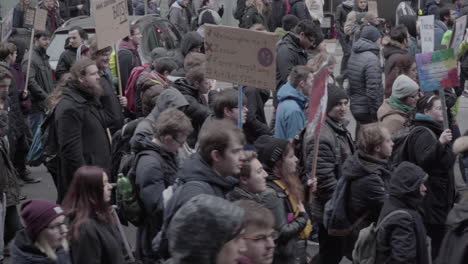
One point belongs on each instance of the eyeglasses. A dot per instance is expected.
(57, 227)
(263, 238)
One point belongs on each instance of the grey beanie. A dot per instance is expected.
(371, 33)
(404, 86)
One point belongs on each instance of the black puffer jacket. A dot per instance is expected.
(155, 171)
(299, 9)
(341, 14)
(390, 53)
(365, 78)
(402, 237)
(336, 145)
(437, 160)
(256, 124)
(197, 110)
(65, 62)
(289, 53)
(251, 17)
(454, 248)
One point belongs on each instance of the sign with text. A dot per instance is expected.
(7, 25)
(458, 34)
(373, 7)
(241, 56)
(29, 17)
(40, 19)
(426, 24)
(437, 69)
(112, 21)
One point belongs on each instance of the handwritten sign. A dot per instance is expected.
(112, 21)
(373, 8)
(29, 17)
(437, 69)
(40, 19)
(426, 24)
(241, 56)
(458, 34)
(7, 25)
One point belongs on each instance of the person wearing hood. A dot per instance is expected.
(128, 54)
(156, 169)
(443, 27)
(395, 113)
(179, 17)
(284, 197)
(409, 22)
(191, 42)
(431, 149)
(341, 14)
(76, 38)
(365, 76)
(401, 238)
(432, 8)
(290, 117)
(394, 45)
(207, 230)
(43, 241)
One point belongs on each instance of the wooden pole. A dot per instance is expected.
(314, 161)
(29, 60)
(120, 89)
(240, 105)
(444, 107)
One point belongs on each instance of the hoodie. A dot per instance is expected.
(189, 41)
(454, 248)
(290, 117)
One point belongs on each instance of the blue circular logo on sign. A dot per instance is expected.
(265, 57)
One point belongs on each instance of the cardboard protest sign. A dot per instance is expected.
(437, 69)
(241, 56)
(40, 19)
(7, 25)
(29, 17)
(373, 8)
(458, 34)
(426, 24)
(112, 21)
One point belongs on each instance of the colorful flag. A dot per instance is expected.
(318, 100)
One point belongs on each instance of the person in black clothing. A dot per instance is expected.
(18, 13)
(402, 237)
(54, 20)
(341, 14)
(299, 9)
(72, 52)
(252, 14)
(73, 8)
(278, 12)
(395, 45)
(128, 54)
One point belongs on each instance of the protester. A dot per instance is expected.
(256, 124)
(432, 8)
(54, 20)
(404, 8)
(299, 9)
(278, 13)
(288, 23)
(404, 65)
(40, 82)
(364, 66)
(396, 112)
(207, 12)
(284, 197)
(156, 169)
(178, 16)
(290, 117)
(93, 232)
(335, 146)
(414, 46)
(443, 27)
(128, 53)
(19, 12)
(81, 125)
(341, 14)
(76, 38)
(207, 229)
(191, 42)
(252, 14)
(73, 8)
(259, 235)
(431, 150)
(402, 237)
(395, 45)
(44, 239)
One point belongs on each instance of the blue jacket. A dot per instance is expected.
(290, 118)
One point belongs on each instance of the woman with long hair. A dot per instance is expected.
(403, 65)
(93, 232)
(284, 197)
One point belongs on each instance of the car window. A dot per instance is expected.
(56, 46)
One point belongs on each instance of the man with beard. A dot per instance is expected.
(443, 27)
(80, 124)
(76, 37)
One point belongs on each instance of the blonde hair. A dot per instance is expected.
(322, 59)
(43, 245)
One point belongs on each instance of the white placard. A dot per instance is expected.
(426, 26)
(458, 34)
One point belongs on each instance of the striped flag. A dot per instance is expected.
(318, 101)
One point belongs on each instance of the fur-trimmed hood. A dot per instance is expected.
(460, 145)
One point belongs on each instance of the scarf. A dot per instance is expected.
(424, 116)
(397, 103)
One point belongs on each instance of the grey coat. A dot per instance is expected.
(179, 18)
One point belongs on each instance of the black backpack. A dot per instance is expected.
(401, 141)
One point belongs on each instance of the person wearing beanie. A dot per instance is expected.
(395, 112)
(284, 196)
(207, 229)
(43, 240)
(336, 144)
(365, 77)
(401, 238)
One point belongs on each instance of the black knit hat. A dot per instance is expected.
(335, 94)
(270, 149)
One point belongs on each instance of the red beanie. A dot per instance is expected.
(37, 215)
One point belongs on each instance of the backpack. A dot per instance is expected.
(401, 141)
(130, 87)
(365, 248)
(44, 147)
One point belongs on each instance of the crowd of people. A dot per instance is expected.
(208, 179)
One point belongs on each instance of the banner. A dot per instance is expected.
(241, 56)
(458, 34)
(318, 98)
(437, 69)
(426, 26)
(112, 22)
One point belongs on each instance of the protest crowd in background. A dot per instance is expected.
(202, 172)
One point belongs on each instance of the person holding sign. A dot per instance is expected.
(443, 27)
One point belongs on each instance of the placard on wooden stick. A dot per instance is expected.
(40, 19)
(29, 17)
(112, 21)
(458, 34)
(241, 56)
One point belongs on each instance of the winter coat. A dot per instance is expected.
(402, 237)
(392, 118)
(189, 41)
(290, 118)
(437, 161)
(439, 30)
(97, 243)
(241, 194)
(128, 59)
(40, 82)
(365, 78)
(82, 139)
(18, 16)
(65, 62)
(368, 188)
(335, 146)
(432, 8)
(54, 20)
(391, 51)
(278, 11)
(8, 175)
(289, 53)
(288, 226)
(148, 80)
(251, 17)
(178, 16)
(256, 124)
(24, 251)
(299, 9)
(341, 14)
(454, 248)
(110, 102)
(197, 110)
(154, 173)
(69, 9)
